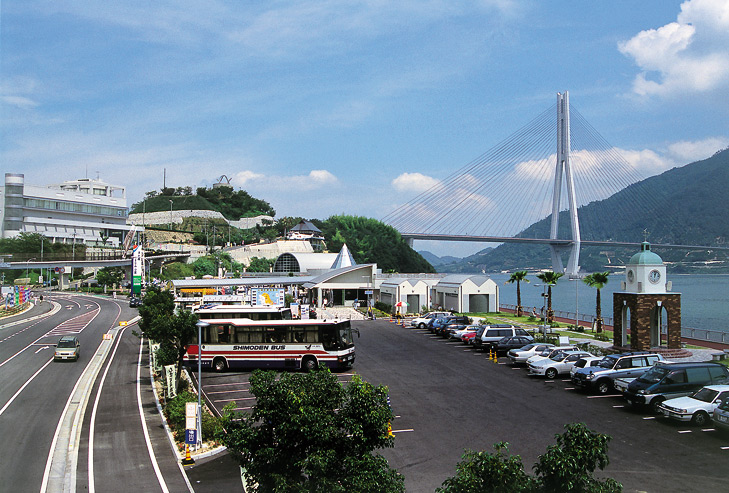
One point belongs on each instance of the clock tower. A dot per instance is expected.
(645, 308)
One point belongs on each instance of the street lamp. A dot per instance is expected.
(26, 266)
(200, 326)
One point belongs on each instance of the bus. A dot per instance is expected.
(211, 312)
(284, 344)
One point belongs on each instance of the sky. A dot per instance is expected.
(330, 107)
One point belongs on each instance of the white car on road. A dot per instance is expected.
(549, 352)
(421, 322)
(557, 364)
(518, 356)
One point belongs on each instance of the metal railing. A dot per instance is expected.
(708, 335)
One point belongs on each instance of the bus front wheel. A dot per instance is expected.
(219, 365)
(309, 364)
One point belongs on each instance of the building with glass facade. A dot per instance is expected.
(79, 211)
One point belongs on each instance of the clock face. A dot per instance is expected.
(654, 276)
(631, 275)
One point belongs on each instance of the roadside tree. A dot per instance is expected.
(567, 467)
(108, 276)
(549, 278)
(597, 280)
(172, 330)
(309, 433)
(518, 277)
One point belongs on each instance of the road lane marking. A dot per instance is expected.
(92, 424)
(649, 417)
(684, 431)
(24, 386)
(708, 429)
(402, 431)
(152, 457)
(620, 405)
(724, 448)
(41, 349)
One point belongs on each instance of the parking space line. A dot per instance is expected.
(620, 405)
(685, 431)
(708, 429)
(649, 417)
(569, 388)
(724, 448)
(602, 396)
(402, 431)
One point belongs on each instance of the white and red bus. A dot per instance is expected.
(285, 344)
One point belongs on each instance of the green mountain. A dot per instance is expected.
(232, 204)
(688, 205)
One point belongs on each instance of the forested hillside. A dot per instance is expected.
(232, 204)
(370, 240)
(687, 205)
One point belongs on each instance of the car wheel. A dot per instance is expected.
(700, 418)
(657, 401)
(219, 365)
(551, 373)
(604, 386)
(309, 364)
(421, 325)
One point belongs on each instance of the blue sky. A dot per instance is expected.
(333, 107)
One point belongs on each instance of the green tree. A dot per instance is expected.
(567, 466)
(204, 266)
(174, 330)
(308, 433)
(518, 277)
(483, 471)
(597, 280)
(259, 264)
(108, 276)
(549, 278)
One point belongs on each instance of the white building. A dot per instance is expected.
(80, 211)
(413, 293)
(466, 293)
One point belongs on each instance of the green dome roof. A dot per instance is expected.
(645, 256)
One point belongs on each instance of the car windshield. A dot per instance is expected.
(654, 375)
(558, 356)
(66, 344)
(607, 362)
(705, 395)
(528, 347)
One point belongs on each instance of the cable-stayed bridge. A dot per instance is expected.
(547, 170)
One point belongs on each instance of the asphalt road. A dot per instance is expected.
(34, 391)
(449, 398)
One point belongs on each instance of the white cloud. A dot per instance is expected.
(687, 55)
(414, 182)
(242, 177)
(688, 152)
(20, 102)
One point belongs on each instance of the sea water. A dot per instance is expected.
(704, 297)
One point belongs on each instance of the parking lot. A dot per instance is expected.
(448, 398)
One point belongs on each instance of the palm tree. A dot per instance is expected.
(549, 278)
(517, 277)
(597, 280)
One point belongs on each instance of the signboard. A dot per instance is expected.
(137, 269)
(170, 379)
(191, 415)
(304, 312)
(191, 437)
(294, 310)
(369, 292)
(268, 297)
(153, 347)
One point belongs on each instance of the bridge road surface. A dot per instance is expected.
(448, 398)
(35, 390)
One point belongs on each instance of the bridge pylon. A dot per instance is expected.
(563, 176)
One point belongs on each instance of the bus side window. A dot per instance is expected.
(312, 334)
(255, 334)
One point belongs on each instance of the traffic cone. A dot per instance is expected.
(187, 460)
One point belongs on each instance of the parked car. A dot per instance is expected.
(601, 378)
(468, 337)
(721, 416)
(489, 334)
(669, 380)
(558, 364)
(436, 322)
(548, 353)
(697, 407)
(134, 302)
(68, 348)
(466, 329)
(586, 361)
(448, 329)
(422, 322)
(506, 344)
(520, 356)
